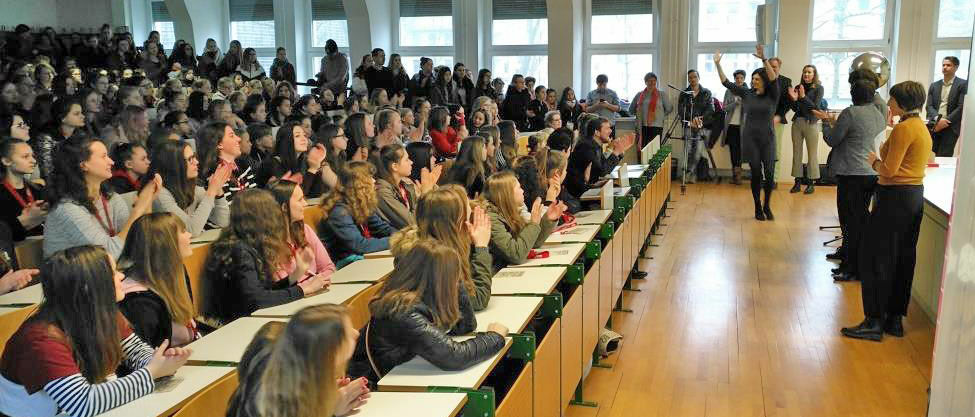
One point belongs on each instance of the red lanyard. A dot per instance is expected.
(365, 231)
(13, 191)
(404, 195)
(128, 178)
(108, 227)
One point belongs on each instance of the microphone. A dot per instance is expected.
(678, 90)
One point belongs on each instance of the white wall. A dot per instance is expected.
(38, 13)
(88, 13)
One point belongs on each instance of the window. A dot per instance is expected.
(519, 22)
(954, 34)
(505, 67)
(621, 21)
(619, 43)
(252, 23)
(162, 22)
(842, 30)
(625, 72)
(328, 21)
(727, 26)
(426, 23)
(412, 63)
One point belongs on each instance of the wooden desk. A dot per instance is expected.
(27, 295)
(418, 374)
(593, 216)
(206, 237)
(408, 404)
(227, 344)
(364, 270)
(380, 254)
(580, 233)
(513, 312)
(541, 280)
(336, 294)
(172, 393)
(559, 254)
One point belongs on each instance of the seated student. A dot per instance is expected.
(301, 236)
(274, 376)
(412, 314)
(421, 154)
(131, 165)
(157, 296)
(396, 191)
(509, 144)
(443, 137)
(534, 184)
(555, 166)
(512, 236)
(295, 158)
(62, 360)
(255, 109)
(588, 154)
(469, 166)
(352, 225)
(240, 274)
(217, 145)
(445, 214)
(560, 140)
(262, 141)
(493, 136)
(359, 130)
(83, 211)
(176, 164)
(22, 204)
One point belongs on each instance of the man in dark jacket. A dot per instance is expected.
(588, 155)
(282, 70)
(945, 103)
(379, 76)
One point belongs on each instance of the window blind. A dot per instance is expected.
(422, 8)
(519, 9)
(620, 7)
(160, 13)
(251, 10)
(327, 10)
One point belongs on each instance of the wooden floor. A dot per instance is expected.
(741, 318)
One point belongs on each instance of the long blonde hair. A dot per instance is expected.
(299, 379)
(152, 257)
(354, 188)
(426, 273)
(498, 193)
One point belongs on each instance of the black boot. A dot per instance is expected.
(767, 207)
(798, 187)
(894, 326)
(869, 329)
(757, 198)
(810, 188)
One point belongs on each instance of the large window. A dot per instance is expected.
(328, 22)
(412, 63)
(426, 23)
(954, 34)
(252, 23)
(619, 43)
(519, 22)
(842, 30)
(505, 67)
(727, 26)
(162, 22)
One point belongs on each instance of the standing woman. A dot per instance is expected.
(295, 158)
(758, 137)
(569, 107)
(650, 106)
(63, 359)
(805, 126)
(442, 92)
(177, 165)
(22, 204)
(250, 68)
(301, 236)
(84, 212)
(513, 236)
(352, 225)
(887, 259)
(483, 86)
(731, 135)
(157, 297)
(401, 80)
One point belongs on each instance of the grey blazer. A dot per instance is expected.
(956, 100)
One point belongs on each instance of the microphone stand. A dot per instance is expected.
(684, 117)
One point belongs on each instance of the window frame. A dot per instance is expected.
(262, 52)
(491, 50)
(424, 50)
(960, 42)
(734, 47)
(884, 45)
(590, 49)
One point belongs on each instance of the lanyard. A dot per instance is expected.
(13, 191)
(108, 227)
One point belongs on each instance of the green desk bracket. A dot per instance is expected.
(593, 249)
(576, 273)
(606, 230)
(522, 346)
(551, 305)
(577, 398)
(480, 402)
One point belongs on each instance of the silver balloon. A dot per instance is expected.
(874, 62)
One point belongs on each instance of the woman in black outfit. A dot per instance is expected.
(569, 107)
(22, 205)
(758, 137)
(515, 105)
(440, 94)
(483, 86)
(295, 156)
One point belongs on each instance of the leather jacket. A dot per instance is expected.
(398, 338)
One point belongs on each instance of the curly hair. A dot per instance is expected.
(355, 189)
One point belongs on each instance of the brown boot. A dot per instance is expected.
(736, 176)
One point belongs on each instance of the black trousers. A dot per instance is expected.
(733, 139)
(943, 142)
(853, 193)
(888, 250)
(647, 133)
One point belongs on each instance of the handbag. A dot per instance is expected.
(369, 354)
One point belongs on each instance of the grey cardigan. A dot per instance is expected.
(664, 107)
(195, 217)
(853, 138)
(70, 224)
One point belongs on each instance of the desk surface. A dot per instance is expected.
(206, 237)
(939, 184)
(380, 254)
(418, 374)
(592, 194)
(27, 295)
(540, 280)
(173, 392)
(593, 216)
(559, 254)
(513, 312)
(410, 404)
(227, 343)
(364, 270)
(336, 294)
(581, 233)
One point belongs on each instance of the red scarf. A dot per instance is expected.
(404, 195)
(652, 108)
(121, 173)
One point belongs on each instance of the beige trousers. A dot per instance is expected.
(803, 130)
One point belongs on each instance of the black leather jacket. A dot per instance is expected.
(398, 338)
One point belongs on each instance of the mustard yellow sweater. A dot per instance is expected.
(904, 156)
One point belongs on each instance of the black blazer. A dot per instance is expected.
(956, 100)
(586, 152)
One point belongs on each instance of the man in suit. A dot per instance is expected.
(945, 99)
(781, 108)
